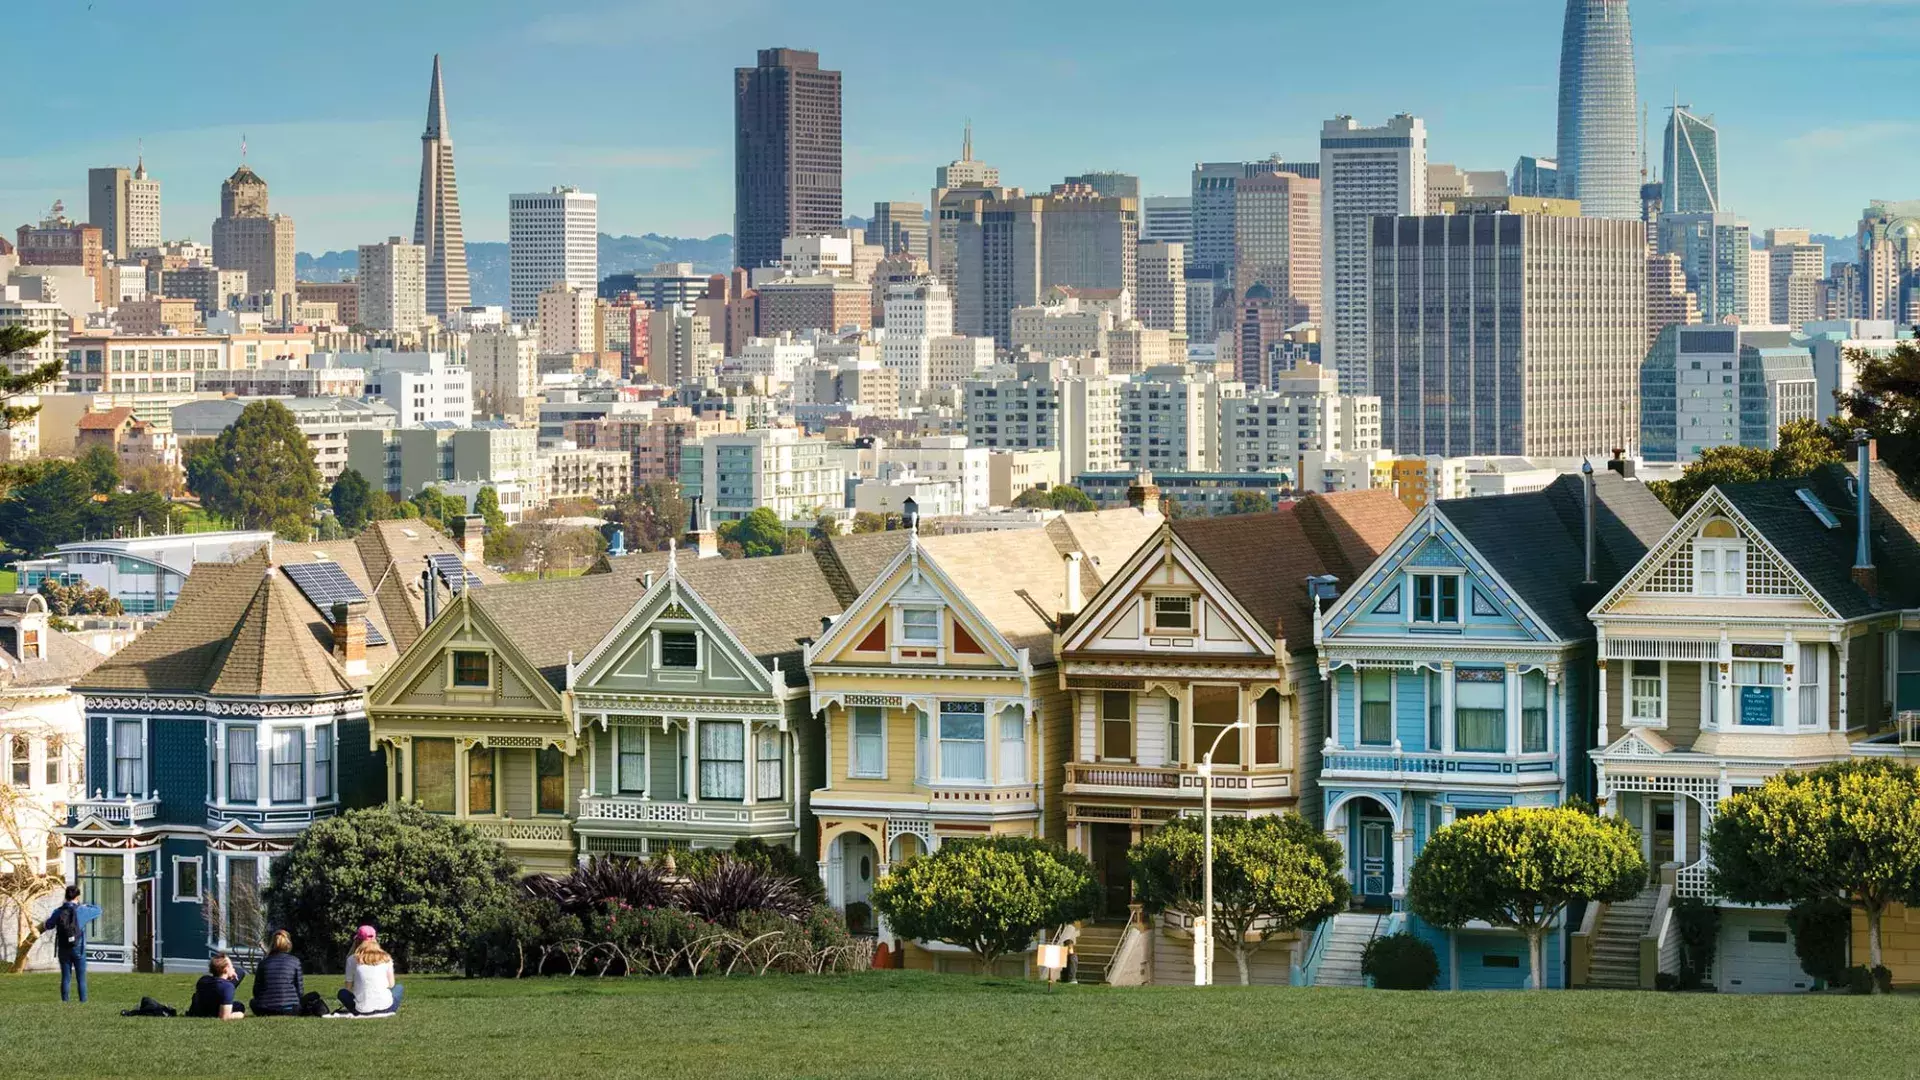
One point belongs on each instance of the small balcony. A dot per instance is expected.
(1388, 764)
(526, 832)
(1230, 782)
(599, 810)
(124, 812)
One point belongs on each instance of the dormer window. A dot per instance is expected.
(1436, 598)
(1719, 560)
(920, 626)
(472, 669)
(1173, 613)
(29, 644)
(679, 649)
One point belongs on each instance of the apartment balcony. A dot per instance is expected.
(124, 812)
(1388, 765)
(1231, 783)
(627, 813)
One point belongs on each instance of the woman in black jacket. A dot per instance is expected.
(277, 986)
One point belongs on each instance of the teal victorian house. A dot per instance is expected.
(1460, 681)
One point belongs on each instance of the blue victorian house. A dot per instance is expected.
(1460, 681)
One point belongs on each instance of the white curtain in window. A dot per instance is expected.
(323, 761)
(1812, 696)
(963, 746)
(633, 759)
(723, 751)
(869, 741)
(768, 782)
(243, 765)
(1756, 693)
(922, 746)
(289, 762)
(129, 775)
(1013, 747)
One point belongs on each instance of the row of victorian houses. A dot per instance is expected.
(1382, 673)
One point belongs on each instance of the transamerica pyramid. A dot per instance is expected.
(436, 223)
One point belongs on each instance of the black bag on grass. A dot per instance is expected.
(312, 1004)
(150, 1007)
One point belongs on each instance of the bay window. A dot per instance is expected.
(963, 741)
(1646, 692)
(769, 779)
(1376, 708)
(1480, 710)
(723, 760)
(869, 742)
(129, 758)
(243, 764)
(1266, 729)
(1533, 713)
(102, 885)
(631, 776)
(1758, 681)
(1215, 708)
(1013, 746)
(286, 772)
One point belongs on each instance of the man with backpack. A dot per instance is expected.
(69, 925)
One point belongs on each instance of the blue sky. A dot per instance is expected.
(633, 99)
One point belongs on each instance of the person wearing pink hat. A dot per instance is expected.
(371, 988)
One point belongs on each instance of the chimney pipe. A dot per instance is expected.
(1070, 604)
(1864, 574)
(1586, 474)
(431, 592)
(473, 531)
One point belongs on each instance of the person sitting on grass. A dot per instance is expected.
(213, 995)
(277, 985)
(370, 987)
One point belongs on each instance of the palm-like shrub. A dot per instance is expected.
(618, 879)
(728, 888)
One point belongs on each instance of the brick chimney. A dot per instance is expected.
(471, 533)
(349, 625)
(701, 539)
(1143, 494)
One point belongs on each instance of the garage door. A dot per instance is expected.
(1756, 955)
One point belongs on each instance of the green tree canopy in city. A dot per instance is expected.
(992, 896)
(652, 515)
(1058, 497)
(1249, 502)
(1885, 403)
(350, 496)
(1804, 447)
(1847, 831)
(1521, 867)
(101, 466)
(1270, 873)
(259, 472)
(759, 534)
(15, 340)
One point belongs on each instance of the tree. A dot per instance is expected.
(651, 516)
(1248, 502)
(866, 521)
(1058, 497)
(1521, 867)
(381, 507)
(24, 821)
(351, 497)
(543, 546)
(1804, 447)
(419, 878)
(1885, 402)
(759, 534)
(13, 341)
(102, 469)
(1274, 873)
(438, 509)
(79, 598)
(1847, 831)
(49, 505)
(991, 896)
(487, 505)
(259, 472)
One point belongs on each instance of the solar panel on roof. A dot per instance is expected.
(453, 571)
(324, 584)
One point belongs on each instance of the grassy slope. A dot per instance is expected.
(910, 1024)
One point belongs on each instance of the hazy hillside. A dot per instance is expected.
(487, 261)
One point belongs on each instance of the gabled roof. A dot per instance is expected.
(63, 659)
(1536, 541)
(1264, 560)
(394, 554)
(1823, 556)
(109, 420)
(553, 622)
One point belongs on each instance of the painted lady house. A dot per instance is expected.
(1458, 671)
(1207, 626)
(232, 724)
(1763, 632)
(943, 713)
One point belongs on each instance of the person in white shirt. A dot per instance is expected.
(370, 983)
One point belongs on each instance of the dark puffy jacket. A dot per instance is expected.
(277, 985)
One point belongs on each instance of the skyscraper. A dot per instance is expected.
(552, 236)
(1167, 219)
(960, 188)
(393, 285)
(786, 159)
(1364, 172)
(1010, 251)
(1276, 242)
(126, 207)
(436, 219)
(247, 237)
(1211, 207)
(1716, 251)
(1691, 164)
(899, 226)
(1599, 123)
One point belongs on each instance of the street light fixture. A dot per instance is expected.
(1203, 934)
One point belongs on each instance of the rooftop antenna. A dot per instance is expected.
(966, 142)
(243, 148)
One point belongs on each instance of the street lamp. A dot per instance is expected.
(1203, 953)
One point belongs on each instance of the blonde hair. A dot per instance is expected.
(370, 952)
(282, 942)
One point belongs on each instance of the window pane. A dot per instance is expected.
(1812, 696)
(19, 751)
(920, 625)
(550, 770)
(1449, 599)
(963, 741)
(1266, 729)
(1436, 711)
(101, 885)
(1423, 597)
(869, 741)
(243, 767)
(1173, 612)
(1533, 713)
(770, 781)
(245, 915)
(1013, 747)
(723, 773)
(1376, 708)
(286, 775)
(633, 759)
(679, 649)
(129, 772)
(1214, 709)
(323, 761)
(470, 668)
(433, 774)
(480, 781)
(1480, 710)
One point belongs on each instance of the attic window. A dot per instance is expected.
(471, 668)
(1172, 613)
(920, 625)
(679, 649)
(29, 644)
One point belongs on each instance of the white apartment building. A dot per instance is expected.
(956, 358)
(774, 359)
(422, 387)
(916, 313)
(1363, 172)
(931, 459)
(1044, 405)
(552, 236)
(126, 364)
(734, 474)
(393, 285)
(504, 363)
(1795, 266)
(1166, 219)
(569, 473)
(566, 319)
(1273, 430)
(1171, 419)
(326, 421)
(811, 256)
(51, 319)
(1162, 303)
(888, 495)
(1069, 327)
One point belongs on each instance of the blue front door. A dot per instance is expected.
(1375, 863)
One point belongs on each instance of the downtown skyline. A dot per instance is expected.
(1129, 106)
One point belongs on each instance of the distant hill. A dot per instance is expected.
(487, 260)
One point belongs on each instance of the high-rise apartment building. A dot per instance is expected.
(1759, 303)
(1161, 303)
(1513, 326)
(566, 315)
(1535, 177)
(960, 188)
(1009, 252)
(1170, 419)
(899, 227)
(1305, 413)
(1599, 111)
(1690, 164)
(916, 314)
(786, 161)
(1166, 218)
(1669, 301)
(1211, 208)
(1889, 254)
(1364, 172)
(436, 216)
(1716, 251)
(393, 285)
(1795, 265)
(679, 347)
(1704, 387)
(505, 364)
(552, 236)
(125, 205)
(1277, 238)
(1448, 182)
(1045, 405)
(246, 236)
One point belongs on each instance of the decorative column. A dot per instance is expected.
(1790, 683)
(1446, 707)
(1600, 672)
(1680, 829)
(1403, 858)
(749, 762)
(1513, 708)
(1725, 688)
(693, 760)
(312, 739)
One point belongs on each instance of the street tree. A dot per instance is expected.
(992, 896)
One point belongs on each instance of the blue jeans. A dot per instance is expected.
(73, 966)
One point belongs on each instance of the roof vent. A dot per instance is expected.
(1818, 508)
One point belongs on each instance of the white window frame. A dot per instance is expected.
(1812, 677)
(986, 741)
(622, 734)
(1634, 699)
(493, 666)
(199, 879)
(325, 736)
(854, 771)
(1415, 616)
(1155, 626)
(1101, 720)
(1015, 718)
(113, 757)
(660, 648)
(274, 735)
(1360, 704)
(1713, 581)
(906, 627)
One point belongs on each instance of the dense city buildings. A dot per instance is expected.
(786, 117)
(59, 241)
(1364, 173)
(1535, 177)
(1795, 267)
(247, 236)
(1710, 386)
(393, 285)
(553, 236)
(1166, 219)
(1716, 251)
(899, 227)
(1599, 156)
(436, 216)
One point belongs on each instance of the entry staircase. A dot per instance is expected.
(1339, 963)
(1616, 941)
(1094, 949)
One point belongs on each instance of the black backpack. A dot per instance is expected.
(66, 928)
(312, 1004)
(149, 1007)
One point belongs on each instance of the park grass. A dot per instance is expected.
(895, 1024)
(9, 581)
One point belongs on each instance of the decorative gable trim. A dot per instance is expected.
(1678, 545)
(1110, 602)
(669, 598)
(923, 582)
(1429, 542)
(429, 651)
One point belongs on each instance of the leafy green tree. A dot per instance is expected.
(102, 469)
(866, 521)
(13, 341)
(1273, 873)
(419, 878)
(487, 505)
(381, 507)
(79, 599)
(351, 497)
(991, 896)
(49, 504)
(1058, 497)
(759, 534)
(1885, 402)
(438, 509)
(1521, 867)
(259, 472)
(653, 515)
(1248, 502)
(1804, 447)
(1847, 831)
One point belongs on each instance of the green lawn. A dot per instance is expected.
(9, 581)
(908, 1024)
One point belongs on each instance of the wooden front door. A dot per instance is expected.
(143, 925)
(1110, 843)
(1660, 831)
(1376, 861)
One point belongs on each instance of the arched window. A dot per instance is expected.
(1719, 560)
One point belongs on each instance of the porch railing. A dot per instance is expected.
(617, 808)
(525, 830)
(1429, 763)
(1909, 722)
(1229, 781)
(123, 811)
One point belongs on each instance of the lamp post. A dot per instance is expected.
(1203, 972)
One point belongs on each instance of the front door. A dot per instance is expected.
(1660, 831)
(1110, 843)
(1376, 861)
(143, 925)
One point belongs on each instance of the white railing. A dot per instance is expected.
(1125, 776)
(1691, 880)
(1386, 760)
(1229, 781)
(1909, 728)
(125, 810)
(1129, 963)
(556, 832)
(616, 808)
(1619, 648)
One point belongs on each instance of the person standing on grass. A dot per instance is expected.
(277, 982)
(69, 925)
(370, 985)
(214, 995)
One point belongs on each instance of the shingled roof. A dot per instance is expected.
(1823, 555)
(1264, 560)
